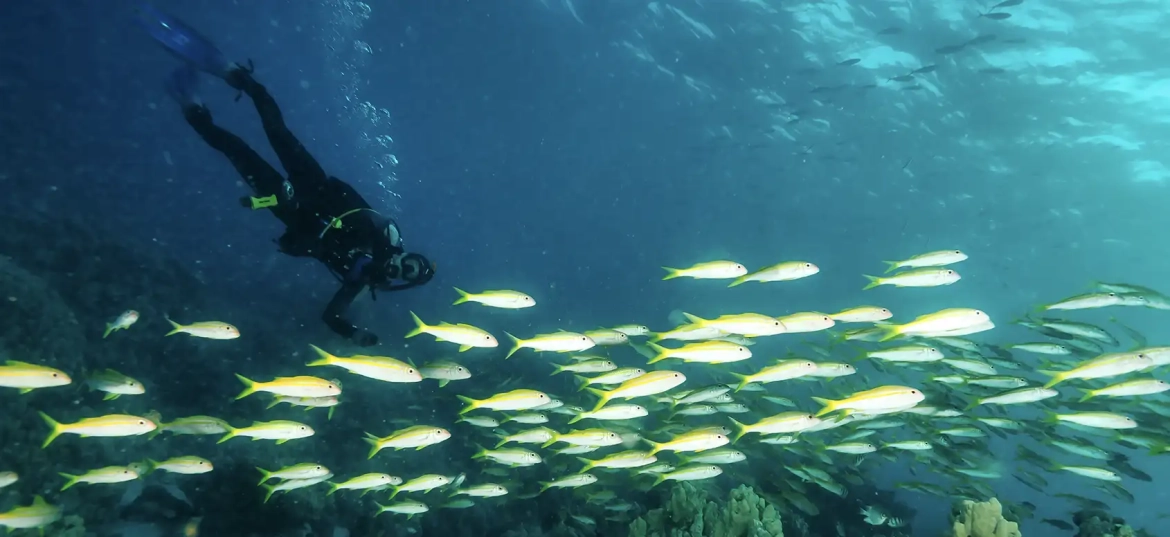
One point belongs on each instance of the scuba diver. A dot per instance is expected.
(325, 218)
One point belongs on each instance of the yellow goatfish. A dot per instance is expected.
(877, 400)
(503, 298)
(782, 272)
(37, 515)
(464, 335)
(376, 367)
(652, 383)
(301, 386)
(514, 400)
(280, 430)
(930, 259)
(712, 270)
(554, 342)
(205, 329)
(27, 377)
(113, 425)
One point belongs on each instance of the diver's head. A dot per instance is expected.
(416, 269)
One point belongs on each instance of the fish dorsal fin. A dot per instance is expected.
(38, 501)
(16, 362)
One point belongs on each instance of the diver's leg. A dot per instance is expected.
(257, 172)
(302, 168)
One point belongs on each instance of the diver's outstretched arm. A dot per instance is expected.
(257, 172)
(334, 315)
(302, 168)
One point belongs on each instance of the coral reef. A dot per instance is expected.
(1094, 523)
(983, 519)
(688, 513)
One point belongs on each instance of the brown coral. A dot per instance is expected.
(983, 519)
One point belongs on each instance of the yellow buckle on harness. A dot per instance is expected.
(264, 203)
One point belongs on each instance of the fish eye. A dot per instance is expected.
(949, 272)
(318, 467)
(303, 428)
(487, 337)
(460, 369)
(141, 422)
(808, 265)
(411, 371)
(54, 375)
(958, 252)
(740, 349)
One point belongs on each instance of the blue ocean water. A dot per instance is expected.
(570, 148)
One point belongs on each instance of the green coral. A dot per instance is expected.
(688, 513)
(983, 519)
(1099, 524)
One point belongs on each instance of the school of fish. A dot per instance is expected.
(638, 418)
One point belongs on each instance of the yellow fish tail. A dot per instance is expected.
(588, 465)
(178, 328)
(891, 266)
(472, 404)
(1057, 377)
(660, 353)
(109, 330)
(463, 297)
(603, 395)
(892, 331)
(672, 273)
(419, 326)
(744, 380)
(374, 447)
(1089, 394)
(54, 430)
(738, 281)
(577, 418)
(269, 491)
(740, 430)
(829, 406)
(874, 281)
(265, 475)
(72, 480)
(516, 345)
(323, 358)
(249, 387)
(231, 433)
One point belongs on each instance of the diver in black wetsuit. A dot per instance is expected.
(325, 218)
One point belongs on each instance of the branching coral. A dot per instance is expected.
(687, 513)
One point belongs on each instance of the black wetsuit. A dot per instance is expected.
(309, 202)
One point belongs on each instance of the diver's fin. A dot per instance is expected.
(183, 41)
(182, 84)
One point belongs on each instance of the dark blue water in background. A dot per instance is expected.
(535, 153)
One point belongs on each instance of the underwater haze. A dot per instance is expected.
(651, 226)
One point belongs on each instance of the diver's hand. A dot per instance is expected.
(365, 338)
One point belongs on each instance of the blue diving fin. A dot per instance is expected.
(183, 41)
(182, 84)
